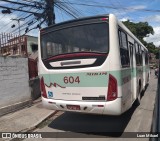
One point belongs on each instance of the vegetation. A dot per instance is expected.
(141, 30)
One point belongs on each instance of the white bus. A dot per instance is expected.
(91, 65)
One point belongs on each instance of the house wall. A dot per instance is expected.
(14, 80)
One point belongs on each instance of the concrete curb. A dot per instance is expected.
(15, 107)
(37, 100)
(37, 118)
(31, 129)
(38, 123)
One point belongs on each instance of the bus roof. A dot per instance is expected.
(95, 18)
(76, 20)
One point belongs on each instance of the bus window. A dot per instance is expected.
(140, 54)
(146, 58)
(131, 54)
(124, 40)
(124, 53)
(89, 38)
(49, 49)
(137, 54)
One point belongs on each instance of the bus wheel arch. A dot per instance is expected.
(139, 86)
(137, 102)
(148, 78)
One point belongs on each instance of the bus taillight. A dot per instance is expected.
(43, 90)
(112, 88)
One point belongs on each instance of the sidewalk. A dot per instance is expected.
(25, 119)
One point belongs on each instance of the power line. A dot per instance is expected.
(66, 11)
(6, 14)
(20, 16)
(29, 22)
(35, 27)
(112, 7)
(32, 4)
(14, 2)
(26, 24)
(31, 1)
(74, 10)
(18, 10)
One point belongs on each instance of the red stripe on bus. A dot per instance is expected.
(75, 55)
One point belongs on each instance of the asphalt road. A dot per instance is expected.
(107, 128)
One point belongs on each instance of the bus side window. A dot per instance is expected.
(137, 54)
(146, 58)
(124, 53)
(49, 48)
(140, 55)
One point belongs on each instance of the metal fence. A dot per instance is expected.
(12, 44)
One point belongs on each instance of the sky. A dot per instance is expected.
(133, 10)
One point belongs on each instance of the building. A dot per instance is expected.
(153, 61)
(14, 45)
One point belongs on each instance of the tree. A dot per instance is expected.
(141, 30)
(151, 47)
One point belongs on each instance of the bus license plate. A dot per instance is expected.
(73, 107)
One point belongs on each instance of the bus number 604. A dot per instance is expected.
(71, 79)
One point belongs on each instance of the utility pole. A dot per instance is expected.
(18, 20)
(50, 12)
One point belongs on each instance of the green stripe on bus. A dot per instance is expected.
(96, 79)
(85, 80)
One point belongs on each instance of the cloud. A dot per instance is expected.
(154, 38)
(128, 13)
(119, 13)
(128, 10)
(153, 18)
(3, 3)
(124, 19)
(33, 32)
(136, 8)
(5, 19)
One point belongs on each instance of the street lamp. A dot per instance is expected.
(18, 20)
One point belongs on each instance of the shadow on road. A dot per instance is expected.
(143, 91)
(93, 124)
(100, 125)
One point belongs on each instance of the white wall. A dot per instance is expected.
(14, 80)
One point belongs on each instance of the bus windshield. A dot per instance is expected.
(82, 38)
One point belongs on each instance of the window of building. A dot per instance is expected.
(14, 49)
(34, 47)
(23, 47)
(4, 51)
